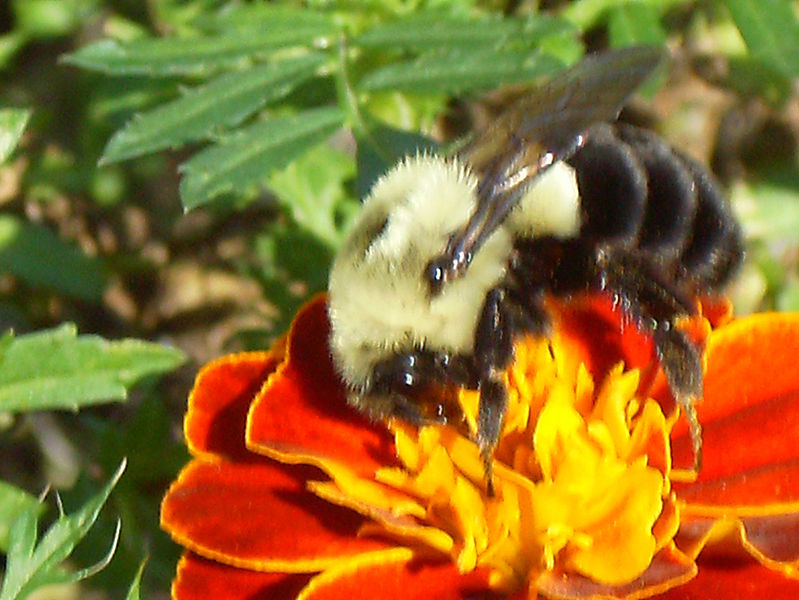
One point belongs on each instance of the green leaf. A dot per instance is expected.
(13, 501)
(56, 369)
(135, 585)
(40, 258)
(312, 188)
(749, 76)
(635, 23)
(458, 72)
(248, 156)
(194, 55)
(382, 149)
(433, 30)
(30, 565)
(265, 16)
(223, 102)
(770, 29)
(12, 124)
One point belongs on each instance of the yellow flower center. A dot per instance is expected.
(581, 475)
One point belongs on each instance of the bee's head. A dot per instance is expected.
(380, 295)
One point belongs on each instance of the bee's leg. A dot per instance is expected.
(398, 381)
(493, 353)
(654, 304)
(682, 365)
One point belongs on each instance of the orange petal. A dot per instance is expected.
(735, 580)
(749, 362)
(201, 579)
(750, 415)
(753, 437)
(770, 487)
(260, 516)
(668, 569)
(394, 575)
(219, 402)
(302, 412)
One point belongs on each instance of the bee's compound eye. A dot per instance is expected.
(436, 274)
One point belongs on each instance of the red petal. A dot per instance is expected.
(219, 402)
(202, 579)
(766, 486)
(599, 336)
(260, 516)
(395, 576)
(734, 580)
(302, 410)
(669, 568)
(754, 436)
(750, 412)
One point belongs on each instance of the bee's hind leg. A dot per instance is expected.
(682, 365)
(655, 305)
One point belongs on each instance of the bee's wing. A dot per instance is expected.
(539, 130)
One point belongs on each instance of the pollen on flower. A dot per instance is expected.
(581, 476)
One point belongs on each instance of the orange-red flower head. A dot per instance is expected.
(292, 494)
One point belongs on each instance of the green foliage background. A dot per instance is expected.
(176, 175)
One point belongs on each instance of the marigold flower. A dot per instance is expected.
(291, 494)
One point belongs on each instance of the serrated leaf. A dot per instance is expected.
(770, 29)
(635, 23)
(264, 15)
(12, 124)
(222, 102)
(41, 258)
(458, 72)
(56, 369)
(193, 56)
(433, 30)
(30, 565)
(13, 502)
(248, 156)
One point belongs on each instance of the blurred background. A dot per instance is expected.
(182, 171)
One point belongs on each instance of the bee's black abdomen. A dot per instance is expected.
(639, 194)
(612, 186)
(671, 200)
(715, 249)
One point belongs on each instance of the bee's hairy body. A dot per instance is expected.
(619, 213)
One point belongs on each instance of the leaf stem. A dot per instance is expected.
(347, 98)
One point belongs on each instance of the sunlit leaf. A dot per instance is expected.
(461, 71)
(30, 565)
(312, 189)
(56, 369)
(40, 258)
(770, 29)
(13, 501)
(223, 102)
(264, 15)
(192, 56)
(248, 156)
(12, 124)
(427, 31)
(635, 23)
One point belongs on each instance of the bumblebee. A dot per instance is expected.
(452, 257)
